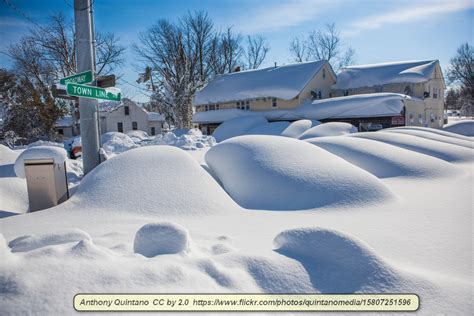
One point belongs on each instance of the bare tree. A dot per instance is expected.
(298, 49)
(323, 44)
(460, 70)
(257, 50)
(231, 49)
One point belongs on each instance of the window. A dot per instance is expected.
(238, 104)
(120, 127)
(217, 106)
(127, 110)
(153, 131)
(324, 73)
(274, 102)
(212, 107)
(435, 93)
(247, 102)
(206, 108)
(407, 90)
(247, 107)
(60, 131)
(134, 126)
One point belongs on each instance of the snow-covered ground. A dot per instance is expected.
(388, 211)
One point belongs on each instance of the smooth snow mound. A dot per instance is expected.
(152, 179)
(116, 143)
(441, 150)
(329, 129)
(430, 130)
(336, 263)
(39, 152)
(31, 242)
(465, 128)
(7, 155)
(273, 128)
(296, 128)
(160, 238)
(237, 126)
(280, 173)
(384, 160)
(433, 136)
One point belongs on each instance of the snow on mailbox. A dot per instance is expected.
(44, 168)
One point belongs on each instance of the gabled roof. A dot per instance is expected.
(379, 74)
(283, 82)
(355, 106)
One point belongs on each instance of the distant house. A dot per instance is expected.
(268, 89)
(126, 116)
(418, 79)
(367, 112)
(65, 127)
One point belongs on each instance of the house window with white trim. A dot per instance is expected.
(274, 102)
(134, 126)
(206, 108)
(212, 107)
(217, 106)
(435, 93)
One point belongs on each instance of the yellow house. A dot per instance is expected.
(274, 88)
(421, 80)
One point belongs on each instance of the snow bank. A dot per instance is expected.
(430, 130)
(190, 140)
(116, 143)
(7, 155)
(336, 263)
(384, 160)
(31, 242)
(465, 128)
(187, 131)
(160, 238)
(329, 129)
(280, 173)
(444, 151)
(39, 152)
(433, 136)
(237, 126)
(152, 179)
(296, 128)
(137, 135)
(273, 128)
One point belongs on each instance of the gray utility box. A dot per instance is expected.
(47, 183)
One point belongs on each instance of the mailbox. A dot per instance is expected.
(47, 183)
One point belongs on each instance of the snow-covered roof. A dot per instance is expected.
(283, 82)
(155, 117)
(109, 106)
(362, 105)
(65, 122)
(379, 74)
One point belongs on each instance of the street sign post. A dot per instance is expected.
(83, 91)
(80, 78)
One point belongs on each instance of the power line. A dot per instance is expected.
(21, 13)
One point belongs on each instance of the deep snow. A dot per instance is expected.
(418, 239)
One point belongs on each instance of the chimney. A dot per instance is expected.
(237, 69)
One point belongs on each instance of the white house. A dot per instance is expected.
(126, 116)
(268, 89)
(418, 79)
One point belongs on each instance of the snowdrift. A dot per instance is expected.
(116, 143)
(430, 130)
(434, 136)
(296, 128)
(465, 128)
(280, 173)
(152, 179)
(438, 149)
(384, 160)
(273, 128)
(329, 129)
(237, 126)
(335, 262)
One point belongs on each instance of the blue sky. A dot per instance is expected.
(379, 31)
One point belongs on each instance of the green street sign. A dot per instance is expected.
(83, 77)
(83, 91)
